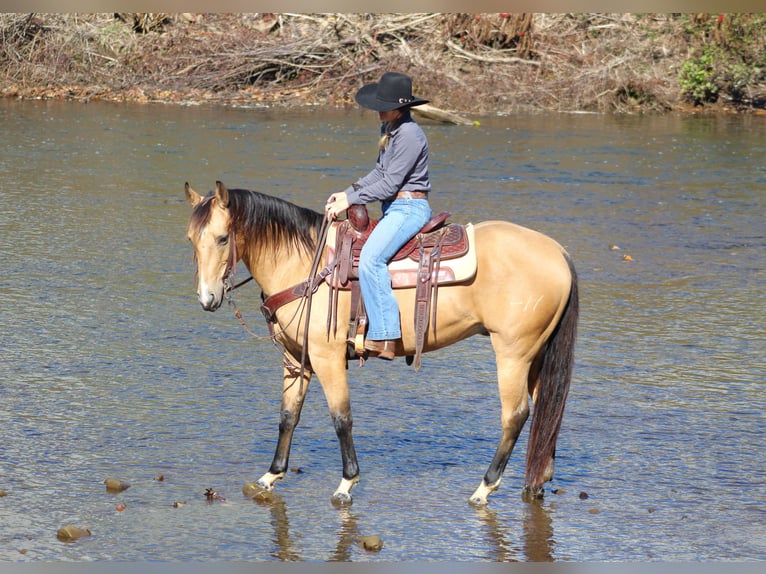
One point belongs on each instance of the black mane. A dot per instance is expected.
(266, 219)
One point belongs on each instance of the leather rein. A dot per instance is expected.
(304, 289)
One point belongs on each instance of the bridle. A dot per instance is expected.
(231, 266)
(231, 263)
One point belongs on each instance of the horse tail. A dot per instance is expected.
(552, 390)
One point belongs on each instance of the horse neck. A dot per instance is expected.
(278, 267)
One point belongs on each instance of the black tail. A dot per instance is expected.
(552, 390)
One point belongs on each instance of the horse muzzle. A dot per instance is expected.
(210, 300)
(211, 304)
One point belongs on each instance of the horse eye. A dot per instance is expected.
(223, 240)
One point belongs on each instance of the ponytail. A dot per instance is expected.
(389, 127)
(383, 141)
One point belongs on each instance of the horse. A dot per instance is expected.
(523, 296)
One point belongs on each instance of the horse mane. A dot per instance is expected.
(265, 219)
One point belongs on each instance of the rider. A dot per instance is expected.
(400, 181)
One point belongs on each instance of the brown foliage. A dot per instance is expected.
(481, 63)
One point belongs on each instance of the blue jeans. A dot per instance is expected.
(401, 220)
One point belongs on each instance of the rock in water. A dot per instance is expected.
(71, 533)
(251, 488)
(371, 543)
(113, 485)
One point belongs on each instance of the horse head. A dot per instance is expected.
(214, 247)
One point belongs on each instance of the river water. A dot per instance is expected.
(110, 368)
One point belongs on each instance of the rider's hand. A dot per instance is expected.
(336, 203)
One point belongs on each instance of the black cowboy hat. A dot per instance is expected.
(393, 91)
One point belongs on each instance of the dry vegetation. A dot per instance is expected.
(488, 63)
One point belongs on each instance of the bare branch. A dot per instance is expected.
(490, 59)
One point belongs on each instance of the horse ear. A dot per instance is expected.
(222, 194)
(192, 196)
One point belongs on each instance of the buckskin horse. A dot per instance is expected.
(523, 295)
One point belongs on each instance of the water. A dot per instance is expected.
(109, 367)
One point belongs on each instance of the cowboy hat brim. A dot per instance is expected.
(368, 97)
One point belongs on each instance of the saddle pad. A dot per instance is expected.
(404, 272)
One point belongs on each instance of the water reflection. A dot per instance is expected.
(284, 548)
(505, 541)
(536, 543)
(348, 535)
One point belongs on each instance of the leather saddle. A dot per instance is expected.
(450, 240)
(418, 264)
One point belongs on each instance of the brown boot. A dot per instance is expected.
(381, 349)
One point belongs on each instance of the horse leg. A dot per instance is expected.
(343, 424)
(332, 377)
(512, 384)
(289, 416)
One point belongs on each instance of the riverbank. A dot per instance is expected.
(477, 64)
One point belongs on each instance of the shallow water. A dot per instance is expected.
(110, 368)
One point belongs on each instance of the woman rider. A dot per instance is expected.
(400, 181)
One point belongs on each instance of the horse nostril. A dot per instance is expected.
(207, 304)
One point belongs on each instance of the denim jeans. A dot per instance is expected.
(401, 220)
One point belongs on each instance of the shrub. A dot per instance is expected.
(698, 78)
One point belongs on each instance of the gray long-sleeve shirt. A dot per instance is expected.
(401, 166)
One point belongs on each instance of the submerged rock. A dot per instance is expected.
(114, 485)
(255, 490)
(371, 543)
(251, 489)
(71, 533)
(263, 496)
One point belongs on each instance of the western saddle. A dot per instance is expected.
(435, 242)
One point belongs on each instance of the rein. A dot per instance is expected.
(303, 290)
(309, 295)
(238, 285)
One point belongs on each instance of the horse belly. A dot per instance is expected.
(456, 318)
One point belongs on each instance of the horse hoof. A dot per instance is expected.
(342, 494)
(479, 501)
(341, 499)
(529, 493)
(266, 482)
(480, 495)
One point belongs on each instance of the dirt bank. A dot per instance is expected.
(479, 64)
